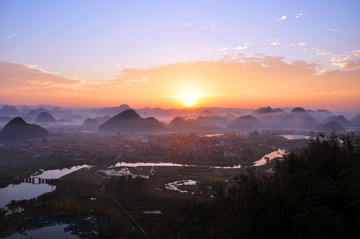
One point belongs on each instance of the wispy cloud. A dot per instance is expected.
(300, 14)
(336, 30)
(9, 36)
(281, 18)
(276, 42)
(184, 25)
(222, 80)
(138, 80)
(302, 43)
(245, 46)
(356, 52)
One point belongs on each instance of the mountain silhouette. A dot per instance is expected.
(356, 120)
(179, 123)
(210, 121)
(330, 126)
(45, 117)
(35, 112)
(321, 114)
(301, 119)
(90, 123)
(111, 110)
(18, 129)
(245, 122)
(9, 111)
(130, 121)
(264, 110)
(278, 110)
(298, 110)
(340, 119)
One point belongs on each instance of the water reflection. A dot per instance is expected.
(212, 135)
(53, 232)
(174, 186)
(23, 191)
(58, 173)
(141, 164)
(35, 185)
(295, 136)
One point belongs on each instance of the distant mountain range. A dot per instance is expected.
(188, 119)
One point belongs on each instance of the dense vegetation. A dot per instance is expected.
(313, 193)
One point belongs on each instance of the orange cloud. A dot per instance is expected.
(243, 82)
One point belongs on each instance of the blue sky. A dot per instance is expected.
(93, 41)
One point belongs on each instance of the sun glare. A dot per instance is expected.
(188, 100)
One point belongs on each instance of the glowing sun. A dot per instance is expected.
(188, 100)
(188, 96)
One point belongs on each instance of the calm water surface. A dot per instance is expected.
(53, 232)
(32, 190)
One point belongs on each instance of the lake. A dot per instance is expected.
(56, 231)
(27, 190)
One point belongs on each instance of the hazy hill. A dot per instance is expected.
(264, 110)
(90, 123)
(246, 122)
(321, 114)
(155, 112)
(210, 121)
(278, 110)
(301, 119)
(45, 117)
(110, 110)
(330, 126)
(9, 111)
(356, 120)
(33, 114)
(277, 120)
(4, 119)
(25, 110)
(340, 119)
(18, 129)
(130, 121)
(179, 123)
(60, 112)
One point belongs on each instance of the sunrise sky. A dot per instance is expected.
(180, 53)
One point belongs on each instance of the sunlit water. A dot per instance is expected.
(58, 173)
(275, 154)
(140, 164)
(212, 135)
(174, 186)
(295, 136)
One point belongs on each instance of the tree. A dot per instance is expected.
(314, 193)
